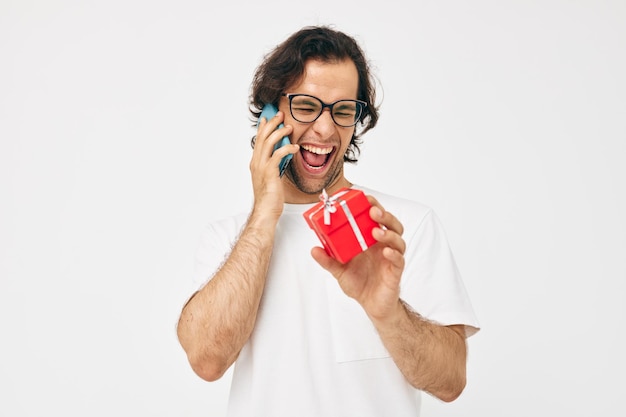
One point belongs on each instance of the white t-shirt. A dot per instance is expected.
(314, 351)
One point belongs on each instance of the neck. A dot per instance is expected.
(294, 195)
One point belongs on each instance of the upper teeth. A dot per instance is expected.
(319, 151)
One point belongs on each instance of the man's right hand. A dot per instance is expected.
(266, 181)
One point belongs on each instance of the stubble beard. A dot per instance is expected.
(314, 187)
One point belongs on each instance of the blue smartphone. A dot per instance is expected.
(269, 111)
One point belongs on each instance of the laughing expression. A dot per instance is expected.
(319, 164)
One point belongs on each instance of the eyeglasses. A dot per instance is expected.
(307, 109)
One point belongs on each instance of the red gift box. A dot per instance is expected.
(342, 223)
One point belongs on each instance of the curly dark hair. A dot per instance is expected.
(284, 66)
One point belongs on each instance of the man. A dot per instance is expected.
(312, 336)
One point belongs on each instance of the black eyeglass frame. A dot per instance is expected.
(290, 97)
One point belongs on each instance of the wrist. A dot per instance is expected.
(391, 316)
(264, 218)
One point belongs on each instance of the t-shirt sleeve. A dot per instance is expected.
(431, 283)
(214, 246)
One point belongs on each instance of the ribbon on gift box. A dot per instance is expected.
(330, 207)
(328, 204)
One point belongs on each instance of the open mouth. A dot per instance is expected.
(316, 157)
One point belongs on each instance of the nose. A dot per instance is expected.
(324, 125)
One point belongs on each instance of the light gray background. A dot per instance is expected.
(124, 129)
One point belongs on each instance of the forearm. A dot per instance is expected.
(218, 320)
(430, 356)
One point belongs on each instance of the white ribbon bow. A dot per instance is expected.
(329, 204)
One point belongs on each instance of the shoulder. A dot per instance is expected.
(409, 212)
(225, 229)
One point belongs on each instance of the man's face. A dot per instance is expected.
(319, 164)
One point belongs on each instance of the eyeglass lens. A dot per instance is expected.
(307, 109)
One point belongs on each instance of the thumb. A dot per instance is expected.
(327, 262)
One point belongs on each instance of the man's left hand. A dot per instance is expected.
(372, 277)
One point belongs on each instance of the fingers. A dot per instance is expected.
(269, 134)
(388, 220)
(265, 160)
(395, 245)
(328, 263)
(395, 257)
(390, 234)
